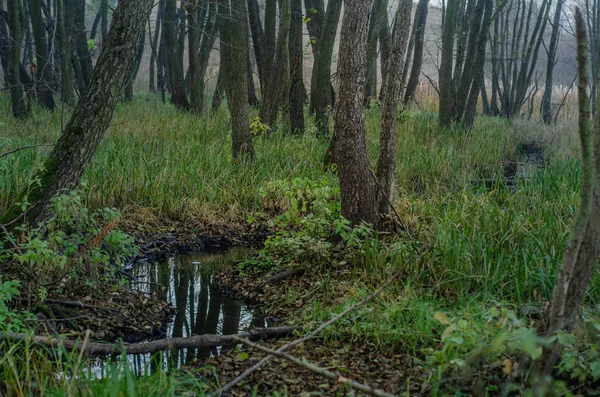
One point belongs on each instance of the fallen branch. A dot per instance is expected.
(310, 335)
(280, 277)
(317, 370)
(105, 349)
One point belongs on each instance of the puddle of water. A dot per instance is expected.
(187, 282)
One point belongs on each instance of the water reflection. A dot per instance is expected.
(187, 282)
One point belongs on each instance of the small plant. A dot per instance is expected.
(257, 127)
(10, 321)
(309, 217)
(74, 248)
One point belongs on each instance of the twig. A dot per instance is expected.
(312, 334)
(317, 370)
(402, 225)
(23, 148)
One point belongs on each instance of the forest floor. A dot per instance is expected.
(486, 215)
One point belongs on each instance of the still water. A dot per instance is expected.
(187, 282)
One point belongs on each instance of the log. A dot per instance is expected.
(107, 349)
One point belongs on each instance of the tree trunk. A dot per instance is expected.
(66, 90)
(581, 254)
(320, 87)
(446, 84)
(278, 83)
(196, 86)
(17, 98)
(81, 44)
(154, 39)
(296, 67)
(234, 53)
(135, 68)
(257, 39)
(252, 99)
(219, 88)
(43, 67)
(357, 185)
(547, 98)
(315, 14)
(392, 91)
(417, 58)
(83, 133)
(377, 17)
(211, 29)
(4, 45)
(175, 62)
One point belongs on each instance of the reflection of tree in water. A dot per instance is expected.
(187, 283)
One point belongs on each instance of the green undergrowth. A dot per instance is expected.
(29, 371)
(480, 250)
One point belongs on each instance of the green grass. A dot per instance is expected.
(28, 371)
(475, 247)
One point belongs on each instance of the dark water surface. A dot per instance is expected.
(187, 283)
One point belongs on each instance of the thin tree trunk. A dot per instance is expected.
(547, 98)
(257, 39)
(83, 133)
(41, 48)
(320, 90)
(581, 254)
(175, 62)
(219, 88)
(357, 185)
(17, 98)
(234, 55)
(446, 84)
(81, 44)
(196, 86)
(135, 68)
(417, 58)
(296, 60)
(67, 90)
(211, 29)
(392, 92)
(315, 14)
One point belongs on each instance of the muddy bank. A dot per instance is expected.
(161, 245)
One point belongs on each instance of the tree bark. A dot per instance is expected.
(296, 67)
(357, 185)
(320, 88)
(315, 14)
(219, 88)
(581, 254)
(196, 86)
(135, 68)
(67, 89)
(80, 38)
(234, 53)
(446, 84)
(41, 48)
(20, 108)
(278, 83)
(547, 98)
(83, 133)
(417, 58)
(211, 29)
(257, 39)
(392, 91)
(175, 62)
